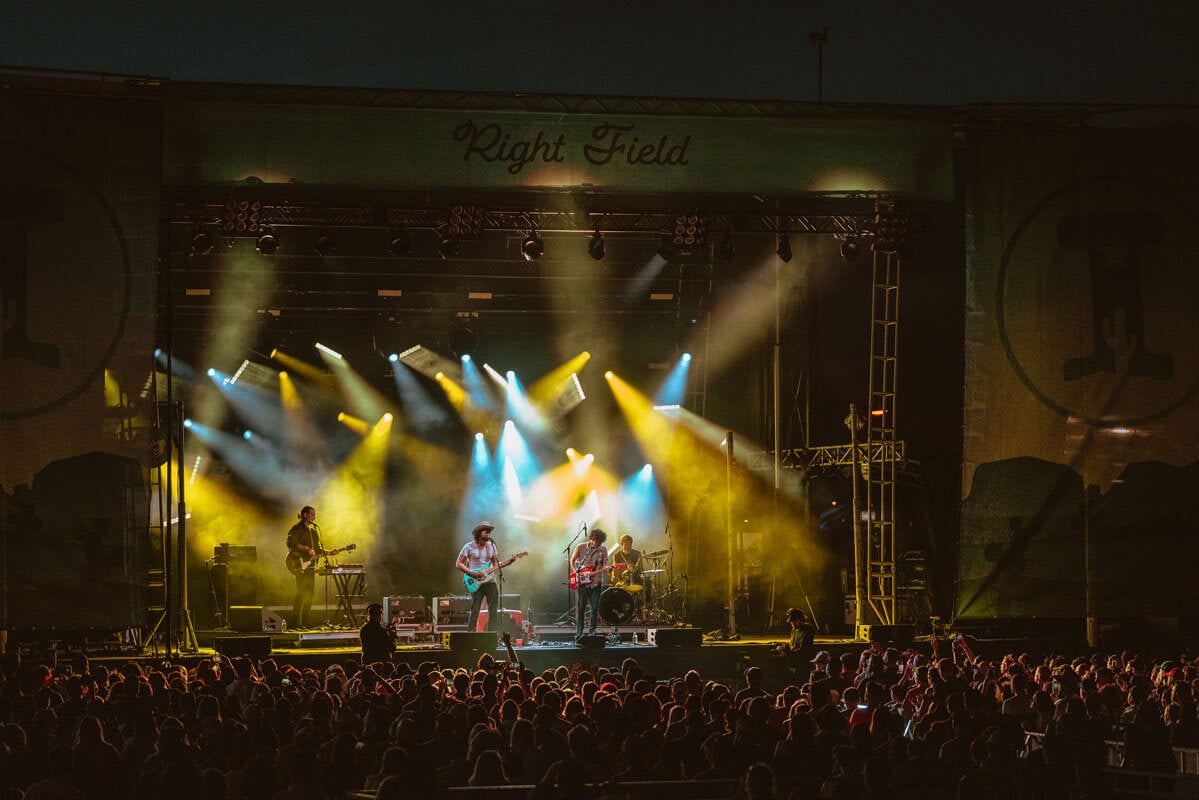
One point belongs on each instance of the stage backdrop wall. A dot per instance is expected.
(79, 182)
(1081, 422)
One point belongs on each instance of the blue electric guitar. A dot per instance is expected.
(472, 583)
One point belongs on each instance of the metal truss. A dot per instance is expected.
(517, 211)
(880, 436)
(840, 455)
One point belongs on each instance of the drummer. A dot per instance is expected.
(627, 562)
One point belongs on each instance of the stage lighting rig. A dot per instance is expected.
(532, 247)
(268, 242)
(595, 247)
(784, 250)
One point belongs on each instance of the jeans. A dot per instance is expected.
(488, 590)
(588, 595)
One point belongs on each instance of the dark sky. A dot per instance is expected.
(919, 51)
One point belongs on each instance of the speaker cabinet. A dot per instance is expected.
(471, 641)
(405, 609)
(254, 619)
(592, 641)
(674, 637)
(251, 646)
(898, 635)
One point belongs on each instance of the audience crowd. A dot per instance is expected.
(873, 723)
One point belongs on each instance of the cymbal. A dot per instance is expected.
(657, 554)
(651, 571)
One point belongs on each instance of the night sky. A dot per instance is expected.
(918, 52)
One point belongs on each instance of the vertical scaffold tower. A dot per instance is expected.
(881, 463)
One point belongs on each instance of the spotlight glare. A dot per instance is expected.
(686, 356)
(247, 435)
(211, 372)
(187, 423)
(341, 416)
(439, 376)
(478, 437)
(509, 424)
(158, 352)
(609, 375)
(394, 357)
(387, 417)
(511, 375)
(466, 358)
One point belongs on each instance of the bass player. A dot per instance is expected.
(303, 545)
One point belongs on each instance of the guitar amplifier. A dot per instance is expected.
(455, 610)
(406, 609)
(451, 610)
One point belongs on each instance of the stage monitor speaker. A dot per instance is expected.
(471, 641)
(900, 635)
(675, 637)
(254, 619)
(251, 646)
(592, 641)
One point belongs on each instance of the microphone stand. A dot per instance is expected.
(572, 597)
(493, 617)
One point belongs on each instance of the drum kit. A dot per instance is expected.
(627, 602)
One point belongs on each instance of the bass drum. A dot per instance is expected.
(616, 605)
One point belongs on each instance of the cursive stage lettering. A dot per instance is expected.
(491, 144)
(616, 142)
(611, 144)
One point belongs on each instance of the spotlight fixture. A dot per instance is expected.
(690, 230)
(726, 249)
(891, 231)
(241, 216)
(466, 221)
(201, 244)
(267, 243)
(784, 251)
(401, 243)
(532, 247)
(595, 247)
(448, 248)
(666, 248)
(851, 248)
(324, 245)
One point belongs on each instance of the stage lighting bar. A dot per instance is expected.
(329, 351)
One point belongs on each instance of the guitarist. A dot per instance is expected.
(590, 562)
(473, 560)
(304, 542)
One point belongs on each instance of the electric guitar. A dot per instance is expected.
(299, 561)
(582, 576)
(472, 583)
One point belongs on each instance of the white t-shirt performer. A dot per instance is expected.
(474, 559)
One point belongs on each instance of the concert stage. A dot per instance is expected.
(674, 651)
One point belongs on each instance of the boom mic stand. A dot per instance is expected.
(572, 598)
